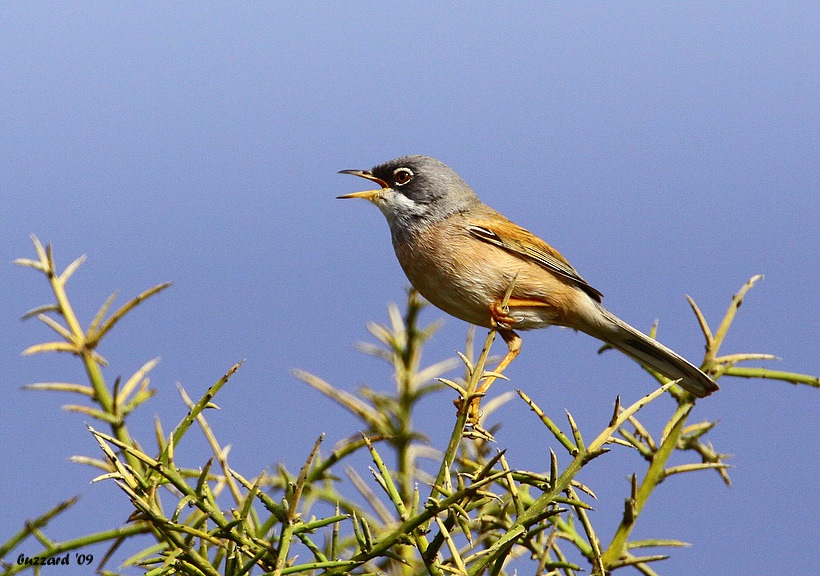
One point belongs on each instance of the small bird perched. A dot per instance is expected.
(462, 256)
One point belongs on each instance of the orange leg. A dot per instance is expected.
(513, 341)
(503, 323)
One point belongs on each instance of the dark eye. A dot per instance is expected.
(402, 176)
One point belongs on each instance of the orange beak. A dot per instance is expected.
(370, 195)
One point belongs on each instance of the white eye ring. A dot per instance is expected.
(402, 176)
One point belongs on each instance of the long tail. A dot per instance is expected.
(652, 353)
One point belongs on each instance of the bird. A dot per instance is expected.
(463, 256)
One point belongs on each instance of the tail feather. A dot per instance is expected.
(653, 354)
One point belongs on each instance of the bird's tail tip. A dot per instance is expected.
(654, 355)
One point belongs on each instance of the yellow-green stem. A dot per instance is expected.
(654, 476)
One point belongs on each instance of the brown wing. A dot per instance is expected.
(516, 240)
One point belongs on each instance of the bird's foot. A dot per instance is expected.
(473, 428)
(471, 407)
(500, 316)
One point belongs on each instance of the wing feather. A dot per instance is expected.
(528, 246)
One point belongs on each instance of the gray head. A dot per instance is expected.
(416, 191)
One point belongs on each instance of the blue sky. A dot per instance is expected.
(664, 149)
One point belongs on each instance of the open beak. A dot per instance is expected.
(370, 195)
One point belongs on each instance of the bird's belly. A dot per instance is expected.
(459, 296)
(463, 284)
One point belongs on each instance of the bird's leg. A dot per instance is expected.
(501, 321)
(513, 341)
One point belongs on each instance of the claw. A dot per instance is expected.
(500, 316)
